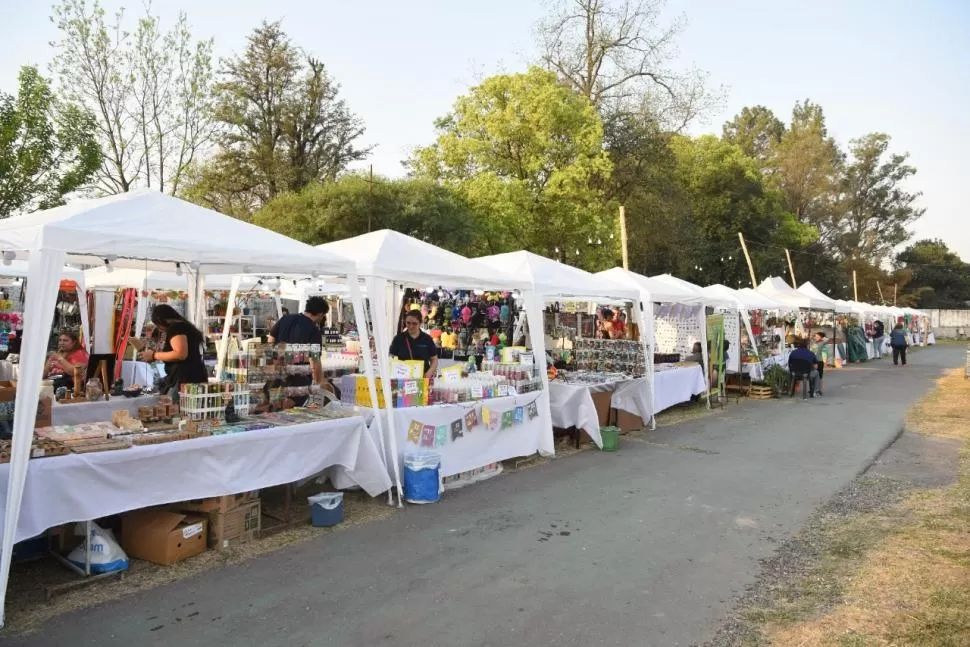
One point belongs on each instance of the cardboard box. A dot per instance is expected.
(628, 422)
(235, 527)
(220, 504)
(162, 536)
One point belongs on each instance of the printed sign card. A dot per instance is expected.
(414, 432)
(471, 420)
(456, 430)
(427, 436)
(441, 435)
(533, 410)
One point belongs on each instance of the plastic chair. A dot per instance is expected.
(801, 369)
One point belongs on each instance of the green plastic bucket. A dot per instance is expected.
(611, 438)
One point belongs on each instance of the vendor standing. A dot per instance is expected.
(415, 344)
(181, 352)
(303, 329)
(69, 355)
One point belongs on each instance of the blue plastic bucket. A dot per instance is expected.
(422, 477)
(326, 509)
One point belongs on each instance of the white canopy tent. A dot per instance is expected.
(744, 303)
(550, 280)
(18, 269)
(387, 260)
(817, 296)
(757, 300)
(146, 280)
(653, 291)
(138, 229)
(775, 288)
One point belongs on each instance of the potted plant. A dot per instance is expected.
(779, 379)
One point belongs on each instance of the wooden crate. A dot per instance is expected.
(758, 392)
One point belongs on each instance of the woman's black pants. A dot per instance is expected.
(899, 352)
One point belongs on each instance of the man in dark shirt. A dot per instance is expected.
(303, 329)
(802, 353)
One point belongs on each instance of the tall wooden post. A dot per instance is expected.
(626, 254)
(855, 286)
(881, 298)
(895, 287)
(747, 257)
(370, 197)
(791, 269)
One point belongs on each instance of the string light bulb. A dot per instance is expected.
(178, 269)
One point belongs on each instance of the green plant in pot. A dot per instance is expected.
(779, 379)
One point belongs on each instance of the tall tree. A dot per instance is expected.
(726, 193)
(757, 131)
(149, 91)
(940, 278)
(527, 153)
(875, 207)
(354, 205)
(282, 125)
(619, 53)
(807, 163)
(48, 149)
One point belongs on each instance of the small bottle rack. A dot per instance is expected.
(275, 373)
(208, 402)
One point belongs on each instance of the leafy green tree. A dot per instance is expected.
(527, 154)
(940, 278)
(807, 165)
(757, 131)
(725, 193)
(48, 148)
(281, 125)
(875, 209)
(354, 205)
(149, 90)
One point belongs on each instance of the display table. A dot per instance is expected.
(79, 487)
(474, 448)
(573, 404)
(677, 384)
(82, 412)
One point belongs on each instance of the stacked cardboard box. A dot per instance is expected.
(233, 519)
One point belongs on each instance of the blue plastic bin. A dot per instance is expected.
(422, 477)
(326, 509)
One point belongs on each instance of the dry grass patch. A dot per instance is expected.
(903, 574)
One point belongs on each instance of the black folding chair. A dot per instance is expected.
(801, 369)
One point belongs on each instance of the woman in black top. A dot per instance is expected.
(415, 344)
(182, 352)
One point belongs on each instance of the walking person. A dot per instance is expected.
(897, 339)
(821, 354)
(878, 332)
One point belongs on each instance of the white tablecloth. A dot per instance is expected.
(476, 448)
(74, 414)
(678, 384)
(572, 404)
(79, 487)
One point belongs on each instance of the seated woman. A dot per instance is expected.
(68, 356)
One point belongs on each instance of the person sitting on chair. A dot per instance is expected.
(70, 355)
(802, 362)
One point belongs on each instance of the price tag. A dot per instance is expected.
(402, 371)
(191, 531)
(503, 390)
(526, 359)
(410, 387)
(452, 376)
(478, 392)
(513, 390)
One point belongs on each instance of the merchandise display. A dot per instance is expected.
(611, 355)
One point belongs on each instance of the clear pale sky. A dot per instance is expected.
(874, 65)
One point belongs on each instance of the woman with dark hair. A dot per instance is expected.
(182, 351)
(606, 324)
(415, 344)
(68, 356)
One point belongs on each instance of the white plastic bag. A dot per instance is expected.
(106, 554)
